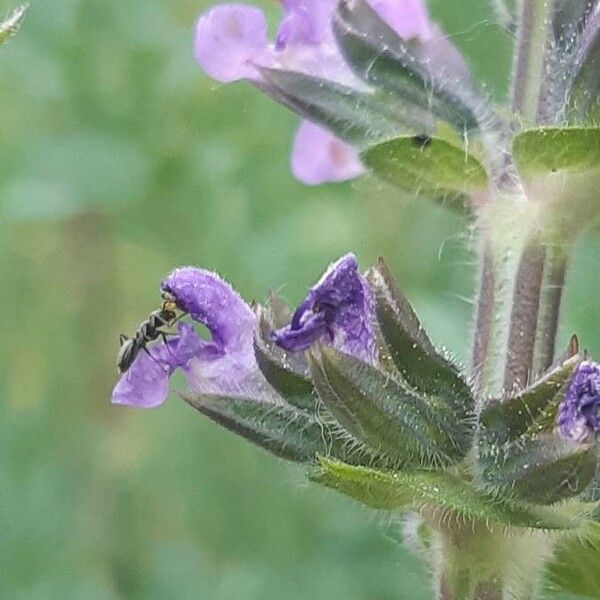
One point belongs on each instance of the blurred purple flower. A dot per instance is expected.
(579, 413)
(225, 364)
(338, 310)
(319, 157)
(231, 44)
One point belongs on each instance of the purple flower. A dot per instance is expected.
(231, 44)
(579, 413)
(224, 364)
(338, 310)
(319, 157)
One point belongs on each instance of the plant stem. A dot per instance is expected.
(524, 317)
(530, 57)
(549, 308)
(485, 307)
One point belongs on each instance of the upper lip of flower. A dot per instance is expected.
(337, 310)
(577, 416)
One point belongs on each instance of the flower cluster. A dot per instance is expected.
(337, 311)
(231, 44)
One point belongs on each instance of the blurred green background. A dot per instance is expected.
(120, 160)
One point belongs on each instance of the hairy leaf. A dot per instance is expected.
(429, 165)
(440, 493)
(553, 149)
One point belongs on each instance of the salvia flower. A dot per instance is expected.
(232, 44)
(338, 310)
(579, 413)
(224, 364)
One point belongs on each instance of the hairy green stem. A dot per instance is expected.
(530, 58)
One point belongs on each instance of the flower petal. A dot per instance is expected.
(227, 364)
(230, 38)
(408, 18)
(214, 303)
(338, 310)
(305, 22)
(146, 383)
(578, 415)
(319, 157)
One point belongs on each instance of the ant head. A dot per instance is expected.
(169, 302)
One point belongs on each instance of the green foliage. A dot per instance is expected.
(554, 149)
(450, 496)
(120, 160)
(574, 567)
(431, 166)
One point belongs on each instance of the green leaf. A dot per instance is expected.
(358, 117)
(10, 25)
(377, 54)
(574, 565)
(438, 492)
(542, 469)
(554, 149)
(285, 371)
(430, 165)
(383, 412)
(413, 353)
(281, 429)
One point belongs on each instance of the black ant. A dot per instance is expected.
(151, 329)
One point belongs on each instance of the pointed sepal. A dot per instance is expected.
(543, 469)
(377, 54)
(281, 429)
(383, 412)
(437, 379)
(519, 450)
(287, 372)
(359, 117)
(534, 409)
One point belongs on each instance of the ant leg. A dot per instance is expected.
(162, 368)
